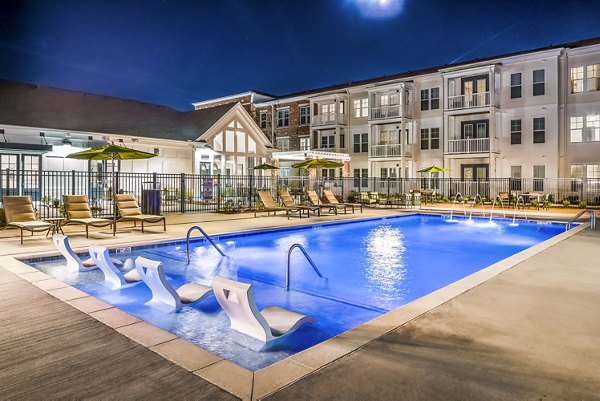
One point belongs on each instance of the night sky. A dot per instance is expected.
(175, 52)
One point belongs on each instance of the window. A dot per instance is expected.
(361, 143)
(283, 144)
(515, 178)
(361, 177)
(327, 141)
(435, 98)
(430, 99)
(305, 143)
(424, 138)
(425, 99)
(576, 170)
(361, 107)
(593, 128)
(539, 130)
(539, 173)
(515, 132)
(515, 85)
(576, 129)
(576, 79)
(593, 77)
(263, 119)
(593, 171)
(283, 118)
(342, 141)
(539, 82)
(435, 138)
(304, 115)
(328, 112)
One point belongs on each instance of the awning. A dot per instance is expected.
(25, 146)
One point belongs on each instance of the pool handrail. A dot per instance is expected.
(578, 216)
(187, 241)
(312, 263)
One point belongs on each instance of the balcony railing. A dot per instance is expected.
(328, 119)
(391, 150)
(390, 111)
(478, 145)
(469, 101)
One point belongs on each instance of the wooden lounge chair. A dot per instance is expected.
(78, 212)
(314, 200)
(163, 294)
(333, 200)
(20, 214)
(129, 210)
(288, 202)
(273, 322)
(270, 205)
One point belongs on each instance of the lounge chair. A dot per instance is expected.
(74, 263)
(504, 198)
(130, 211)
(333, 200)
(314, 201)
(289, 203)
(152, 273)
(273, 322)
(270, 205)
(78, 212)
(20, 214)
(113, 276)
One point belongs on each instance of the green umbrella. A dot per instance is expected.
(433, 169)
(317, 163)
(266, 166)
(111, 152)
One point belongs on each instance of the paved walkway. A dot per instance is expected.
(528, 333)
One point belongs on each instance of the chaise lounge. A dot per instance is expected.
(272, 323)
(20, 214)
(333, 200)
(78, 211)
(130, 211)
(113, 276)
(270, 205)
(288, 202)
(314, 200)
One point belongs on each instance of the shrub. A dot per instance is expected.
(353, 196)
(2, 217)
(566, 203)
(582, 204)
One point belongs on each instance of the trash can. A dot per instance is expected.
(151, 198)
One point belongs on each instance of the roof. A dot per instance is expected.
(38, 106)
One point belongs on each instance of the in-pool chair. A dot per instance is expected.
(267, 325)
(163, 293)
(113, 276)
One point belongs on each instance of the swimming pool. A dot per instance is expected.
(370, 267)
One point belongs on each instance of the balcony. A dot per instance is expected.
(391, 150)
(383, 112)
(328, 119)
(478, 145)
(469, 101)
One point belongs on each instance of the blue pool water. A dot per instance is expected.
(370, 267)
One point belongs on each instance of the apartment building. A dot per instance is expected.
(532, 114)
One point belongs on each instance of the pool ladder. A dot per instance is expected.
(312, 263)
(592, 219)
(187, 241)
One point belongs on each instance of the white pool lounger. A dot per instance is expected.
(113, 276)
(267, 325)
(152, 273)
(61, 242)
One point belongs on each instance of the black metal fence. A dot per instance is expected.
(180, 193)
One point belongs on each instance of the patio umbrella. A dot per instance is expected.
(266, 166)
(433, 169)
(317, 163)
(111, 152)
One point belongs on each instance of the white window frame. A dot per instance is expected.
(592, 128)
(281, 120)
(286, 143)
(305, 115)
(520, 85)
(576, 129)
(304, 143)
(543, 83)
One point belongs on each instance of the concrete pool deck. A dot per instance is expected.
(499, 332)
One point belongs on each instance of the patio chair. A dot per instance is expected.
(113, 276)
(20, 214)
(333, 200)
(163, 293)
(78, 211)
(314, 201)
(270, 205)
(288, 202)
(273, 322)
(129, 210)
(365, 198)
(504, 198)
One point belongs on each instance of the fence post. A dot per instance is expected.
(117, 184)
(72, 182)
(183, 193)
(154, 181)
(218, 191)
(251, 193)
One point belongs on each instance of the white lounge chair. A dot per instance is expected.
(113, 276)
(152, 273)
(61, 242)
(267, 325)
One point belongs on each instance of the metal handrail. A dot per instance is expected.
(312, 263)
(187, 241)
(592, 219)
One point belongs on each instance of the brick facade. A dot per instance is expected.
(294, 130)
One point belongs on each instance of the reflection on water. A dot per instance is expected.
(385, 248)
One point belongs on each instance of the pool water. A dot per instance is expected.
(369, 267)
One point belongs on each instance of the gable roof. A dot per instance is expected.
(37, 106)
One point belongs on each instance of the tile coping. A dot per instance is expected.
(242, 382)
